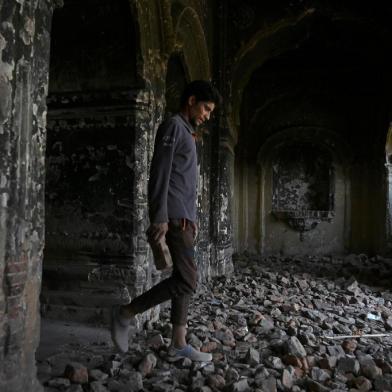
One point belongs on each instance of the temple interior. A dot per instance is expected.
(294, 203)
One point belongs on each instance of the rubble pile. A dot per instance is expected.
(277, 324)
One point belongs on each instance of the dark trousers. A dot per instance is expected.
(182, 283)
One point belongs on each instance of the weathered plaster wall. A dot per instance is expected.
(24, 48)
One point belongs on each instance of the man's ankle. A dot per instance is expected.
(179, 346)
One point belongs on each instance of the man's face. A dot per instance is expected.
(200, 112)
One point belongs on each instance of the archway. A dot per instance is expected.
(89, 157)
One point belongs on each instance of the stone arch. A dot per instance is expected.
(189, 39)
(271, 42)
(169, 28)
(154, 24)
(258, 50)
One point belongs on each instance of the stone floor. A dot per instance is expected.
(277, 324)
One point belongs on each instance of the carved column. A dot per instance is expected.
(223, 162)
(24, 55)
(388, 217)
(222, 215)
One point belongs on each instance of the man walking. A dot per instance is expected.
(172, 211)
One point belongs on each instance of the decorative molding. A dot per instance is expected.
(303, 221)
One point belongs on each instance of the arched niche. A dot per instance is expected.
(304, 193)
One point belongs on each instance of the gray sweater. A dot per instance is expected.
(173, 175)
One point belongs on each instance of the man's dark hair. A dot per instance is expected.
(202, 90)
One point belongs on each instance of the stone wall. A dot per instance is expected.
(24, 48)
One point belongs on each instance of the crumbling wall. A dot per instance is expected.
(24, 48)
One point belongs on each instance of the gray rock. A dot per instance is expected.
(59, 382)
(156, 341)
(197, 381)
(328, 362)
(294, 347)
(76, 388)
(97, 386)
(260, 376)
(208, 368)
(194, 340)
(314, 386)
(134, 381)
(226, 337)
(76, 373)
(319, 375)
(269, 384)
(147, 364)
(232, 375)
(369, 368)
(252, 357)
(216, 381)
(348, 365)
(383, 383)
(265, 326)
(275, 363)
(363, 384)
(240, 386)
(288, 377)
(352, 286)
(336, 351)
(185, 363)
(97, 375)
(115, 385)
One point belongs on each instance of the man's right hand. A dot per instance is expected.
(157, 231)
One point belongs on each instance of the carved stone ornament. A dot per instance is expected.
(303, 220)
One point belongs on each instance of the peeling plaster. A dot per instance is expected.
(27, 34)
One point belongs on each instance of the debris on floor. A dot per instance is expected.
(270, 327)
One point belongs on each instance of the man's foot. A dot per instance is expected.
(175, 354)
(119, 328)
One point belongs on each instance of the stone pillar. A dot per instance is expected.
(136, 273)
(223, 162)
(148, 116)
(388, 217)
(24, 54)
(222, 215)
(145, 125)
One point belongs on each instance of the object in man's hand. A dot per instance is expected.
(161, 253)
